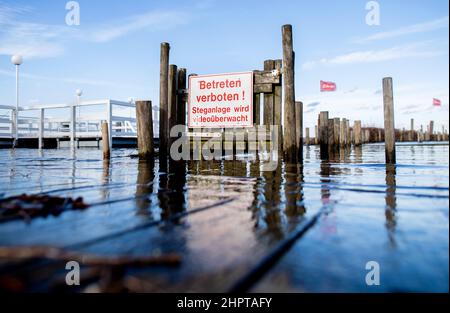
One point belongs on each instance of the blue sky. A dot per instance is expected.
(114, 53)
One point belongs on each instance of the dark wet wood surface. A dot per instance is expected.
(233, 226)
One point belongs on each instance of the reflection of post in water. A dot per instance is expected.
(144, 186)
(391, 201)
(172, 189)
(357, 158)
(73, 155)
(294, 207)
(234, 168)
(358, 154)
(325, 180)
(344, 153)
(105, 179)
(270, 210)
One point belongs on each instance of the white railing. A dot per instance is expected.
(73, 127)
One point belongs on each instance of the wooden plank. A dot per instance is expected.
(267, 77)
(262, 88)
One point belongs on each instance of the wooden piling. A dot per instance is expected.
(172, 100)
(389, 124)
(337, 131)
(277, 104)
(145, 130)
(431, 130)
(289, 136)
(323, 134)
(181, 97)
(269, 65)
(257, 109)
(307, 140)
(105, 141)
(299, 127)
(357, 133)
(330, 134)
(316, 135)
(164, 100)
(348, 135)
(342, 133)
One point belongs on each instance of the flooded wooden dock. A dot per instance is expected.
(308, 227)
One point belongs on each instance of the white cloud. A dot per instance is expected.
(40, 40)
(153, 20)
(412, 29)
(415, 50)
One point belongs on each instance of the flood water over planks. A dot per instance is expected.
(300, 228)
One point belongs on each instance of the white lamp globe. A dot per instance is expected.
(79, 92)
(16, 59)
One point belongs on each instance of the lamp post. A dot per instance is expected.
(17, 60)
(73, 122)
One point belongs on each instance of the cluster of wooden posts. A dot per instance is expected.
(267, 86)
(341, 134)
(271, 86)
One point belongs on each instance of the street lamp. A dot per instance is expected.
(73, 123)
(17, 60)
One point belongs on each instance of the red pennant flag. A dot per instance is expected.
(436, 102)
(327, 86)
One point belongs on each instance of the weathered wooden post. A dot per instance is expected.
(145, 130)
(307, 140)
(277, 101)
(289, 137)
(389, 124)
(357, 133)
(331, 134)
(172, 100)
(105, 141)
(257, 109)
(431, 130)
(323, 134)
(269, 65)
(181, 98)
(348, 136)
(299, 127)
(342, 133)
(164, 100)
(316, 135)
(337, 131)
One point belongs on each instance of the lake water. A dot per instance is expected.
(300, 228)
